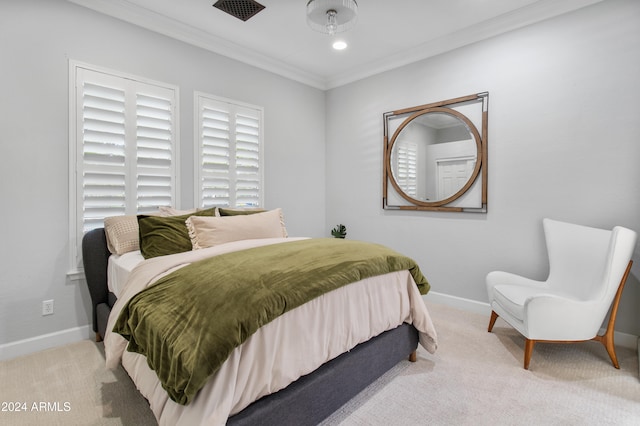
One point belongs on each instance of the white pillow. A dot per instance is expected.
(209, 231)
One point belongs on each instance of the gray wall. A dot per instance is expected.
(564, 143)
(37, 40)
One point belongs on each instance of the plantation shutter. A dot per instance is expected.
(102, 166)
(125, 148)
(155, 175)
(229, 163)
(248, 181)
(407, 168)
(215, 155)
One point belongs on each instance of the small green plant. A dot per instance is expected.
(339, 231)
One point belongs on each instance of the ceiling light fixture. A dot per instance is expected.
(339, 45)
(331, 16)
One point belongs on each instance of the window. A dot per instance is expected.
(407, 168)
(124, 146)
(229, 171)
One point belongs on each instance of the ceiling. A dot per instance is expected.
(388, 33)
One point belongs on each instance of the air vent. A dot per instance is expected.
(241, 9)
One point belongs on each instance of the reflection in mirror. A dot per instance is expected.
(435, 156)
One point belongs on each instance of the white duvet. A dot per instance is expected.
(289, 347)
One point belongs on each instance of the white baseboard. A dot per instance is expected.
(46, 341)
(461, 303)
(621, 339)
(72, 335)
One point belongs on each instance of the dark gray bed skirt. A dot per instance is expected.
(314, 397)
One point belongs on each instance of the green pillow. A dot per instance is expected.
(160, 236)
(232, 212)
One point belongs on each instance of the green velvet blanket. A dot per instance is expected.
(188, 322)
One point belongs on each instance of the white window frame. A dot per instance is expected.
(76, 152)
(201, 98)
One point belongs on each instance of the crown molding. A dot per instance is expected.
(531, 14)
(156, 22)
(153, 21)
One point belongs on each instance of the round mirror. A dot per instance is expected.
(434, 156)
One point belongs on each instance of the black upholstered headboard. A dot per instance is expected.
(95, 257)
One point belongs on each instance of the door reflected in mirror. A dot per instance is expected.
(435, 158)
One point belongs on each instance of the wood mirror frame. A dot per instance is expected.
(470, 193)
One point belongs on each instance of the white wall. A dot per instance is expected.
(564, 142)
(37, 40)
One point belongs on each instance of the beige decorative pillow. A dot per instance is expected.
(122, 234)
(211, 231)
(166, 211)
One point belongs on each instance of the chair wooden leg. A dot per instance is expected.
(98, 337)
(413, 356)
(492, 321)
(607, 338)
(528, 351)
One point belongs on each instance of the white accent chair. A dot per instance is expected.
(588, 268)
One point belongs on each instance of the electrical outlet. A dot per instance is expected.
(47, 307)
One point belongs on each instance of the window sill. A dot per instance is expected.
(76, 275)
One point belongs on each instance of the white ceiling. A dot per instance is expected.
(388, 33)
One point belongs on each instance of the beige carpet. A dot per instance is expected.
(475, 378)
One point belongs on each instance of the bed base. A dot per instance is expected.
(313, 397)
(307, 401)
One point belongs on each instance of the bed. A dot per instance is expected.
(253, 385)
